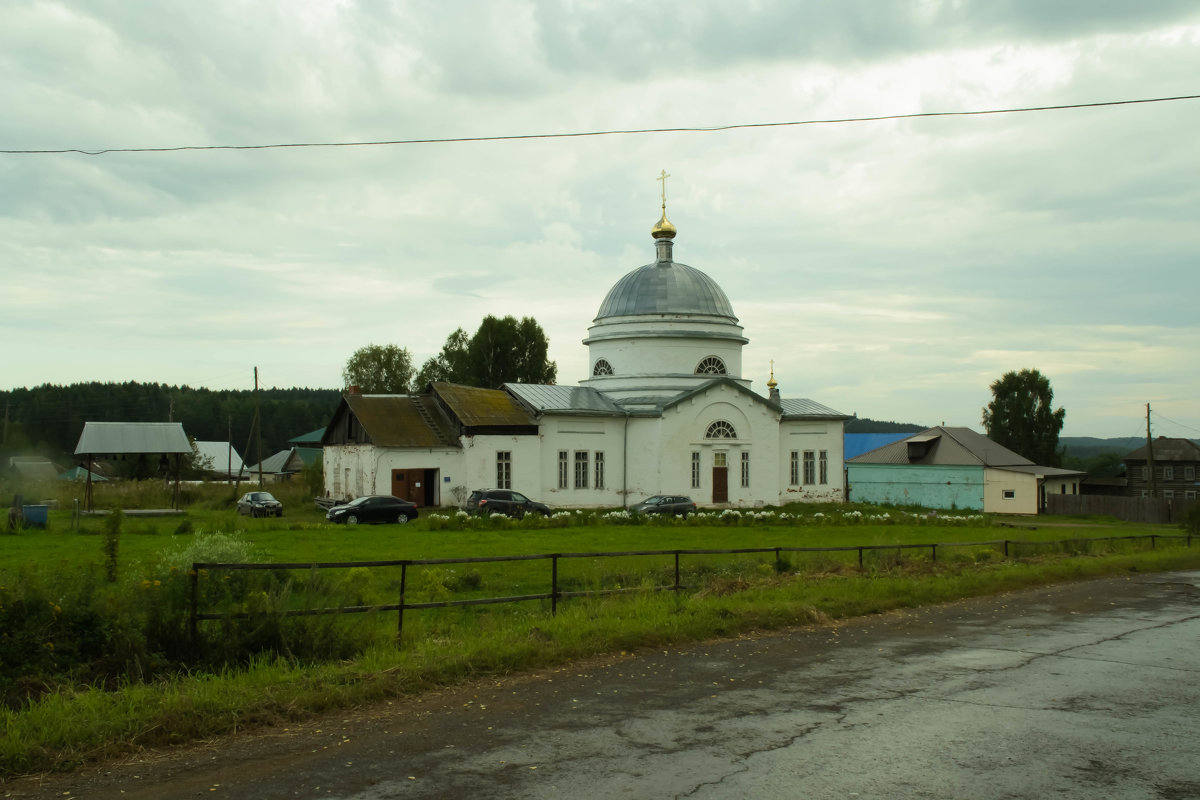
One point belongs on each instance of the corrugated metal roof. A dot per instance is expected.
(855, 444)
(216, 455)
(477, 407)
(132, 437)
(803, 407)
(544, 398)
(950, 447)
(310, 439)
(393, 420)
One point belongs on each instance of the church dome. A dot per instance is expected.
(666, 287)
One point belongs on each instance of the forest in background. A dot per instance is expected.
(47, 420)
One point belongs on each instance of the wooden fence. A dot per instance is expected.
(554, 594)
(1150, 510)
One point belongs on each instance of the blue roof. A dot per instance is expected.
(855, 444)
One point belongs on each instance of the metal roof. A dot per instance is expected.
(310, 439)
(218, 457)
(113, 438)
(855, 444)
(666, 287)
(546, 398)
(947, 447)
(803, 407)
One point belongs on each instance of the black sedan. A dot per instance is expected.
(259, 504)
(373, 508)
(665, 504)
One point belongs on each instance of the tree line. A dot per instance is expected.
(47, 420)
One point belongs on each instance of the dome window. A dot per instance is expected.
(711, 366)
(720, 430)
(602, 368)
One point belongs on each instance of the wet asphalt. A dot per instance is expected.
(1086, 690)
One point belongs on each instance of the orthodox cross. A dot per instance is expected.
(662, 177)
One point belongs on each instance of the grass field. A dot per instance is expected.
(68, 721)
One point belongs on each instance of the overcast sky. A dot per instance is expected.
(892, 269)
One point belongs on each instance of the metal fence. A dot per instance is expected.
(1010, 547)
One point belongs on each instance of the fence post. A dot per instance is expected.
(400, 610)
(933, 551)
(860, 558)
(193, 605)
(677, 587)
(1153, 541)
(1006, 548)
(778, 562)
(553, 585)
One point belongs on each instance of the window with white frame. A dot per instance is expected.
(599, 470)
(809, 468)
(695, 470)
(745, 470)
(602, 368)
(1169, 494)
(1168, 473)
(823, 467)
(504, 469)
(1189, 473)
(720, 430)
(581, 469)
(711, 366)
(563, 469)
(1190, 494)
(794, 476)
(1010, 494)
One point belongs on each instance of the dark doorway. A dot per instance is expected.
(720, 485)
(415, 485)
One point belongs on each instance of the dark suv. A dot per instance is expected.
(503, 501)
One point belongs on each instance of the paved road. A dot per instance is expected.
(1089, 690)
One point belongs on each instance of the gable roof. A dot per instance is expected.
(395, 420)
(216, 457)
(1168, 450)
(310, 439)
(715, 382)
(944, 446)
(114, 438)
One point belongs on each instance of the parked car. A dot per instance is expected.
(504, 501)
(259, 504)
(665, 504)
(373, 508)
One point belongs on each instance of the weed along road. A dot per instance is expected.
(1085, 690)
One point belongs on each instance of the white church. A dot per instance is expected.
(665, 410)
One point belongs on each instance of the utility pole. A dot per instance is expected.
(258, 418)
(1150, 455)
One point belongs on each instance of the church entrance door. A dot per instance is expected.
(720, 479)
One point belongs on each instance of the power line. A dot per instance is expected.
(618, 132)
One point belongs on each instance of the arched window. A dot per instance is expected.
(720, 430)
(711, 366)
(602, 368)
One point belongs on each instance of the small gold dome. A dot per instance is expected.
(663, 229)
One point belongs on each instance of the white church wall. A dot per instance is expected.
(816, 437)
(524, 458)
(574, 434)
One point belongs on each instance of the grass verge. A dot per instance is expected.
(66, 728)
